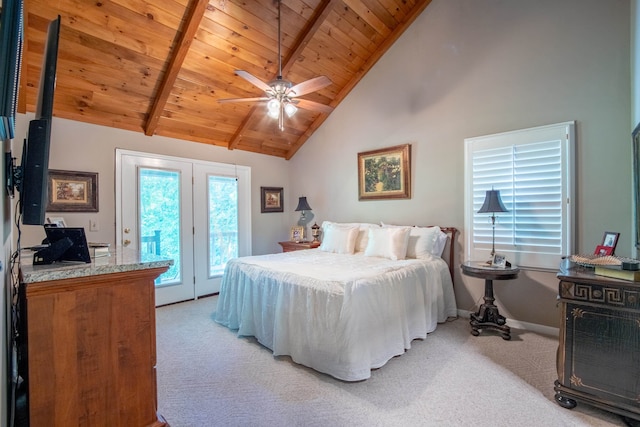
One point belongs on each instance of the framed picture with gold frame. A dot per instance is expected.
(385, 173)
(71, 191)
(297, 234)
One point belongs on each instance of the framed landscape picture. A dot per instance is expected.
(271, 199)
(385, 173)
(72, 191)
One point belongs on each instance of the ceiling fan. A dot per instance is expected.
(281, 95)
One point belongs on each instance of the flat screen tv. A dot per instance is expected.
(11, 38)
(35, 154)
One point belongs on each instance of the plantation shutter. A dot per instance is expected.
(532, 170)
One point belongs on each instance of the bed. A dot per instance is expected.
(349, 306)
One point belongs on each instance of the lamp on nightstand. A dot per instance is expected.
(493, 204)
(303, 206)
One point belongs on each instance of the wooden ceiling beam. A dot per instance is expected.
(318, 18)
(175, 64)
(314, 23)
(420, 6)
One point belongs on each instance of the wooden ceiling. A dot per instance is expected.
(160, 66)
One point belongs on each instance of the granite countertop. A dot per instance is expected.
(119, 260)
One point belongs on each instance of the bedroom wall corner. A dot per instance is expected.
(465, 69)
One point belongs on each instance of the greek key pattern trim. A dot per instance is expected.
(612, 296)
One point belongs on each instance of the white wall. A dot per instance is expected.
(467, 68)
(77, 146)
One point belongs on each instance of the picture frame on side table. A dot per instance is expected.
(610, 240)
(603, 250)
(499, 261)
(385, 173)
(271, 199)
(71, 191)
(297, 234)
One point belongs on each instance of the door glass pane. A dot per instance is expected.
(223, 222)
(159, 198)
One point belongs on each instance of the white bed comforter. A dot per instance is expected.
(338, 314)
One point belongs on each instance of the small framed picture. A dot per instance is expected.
(271, 199)
(610, 240)
(56, 221)
(297, 234)
(603, 250)
(499, 261)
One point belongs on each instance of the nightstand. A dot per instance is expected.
(298, 246)
(488, 316)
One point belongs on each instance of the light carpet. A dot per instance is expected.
(207, 376)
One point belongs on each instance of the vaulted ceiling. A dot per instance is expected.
(160, 66)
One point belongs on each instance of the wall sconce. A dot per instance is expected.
(493, 204)
(303, 206)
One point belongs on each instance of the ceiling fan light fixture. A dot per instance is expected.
(290, 109)
(281, 94)
(273, 108)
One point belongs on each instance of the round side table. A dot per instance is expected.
(488, 316)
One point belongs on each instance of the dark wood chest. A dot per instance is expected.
(599, 350)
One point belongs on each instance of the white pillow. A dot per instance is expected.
(424, 241)
(388, 242)
(441, 242)
(339, 239)
(363, 232)
(363, 236)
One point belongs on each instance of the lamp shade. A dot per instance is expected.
(492, 203)
(303, 205)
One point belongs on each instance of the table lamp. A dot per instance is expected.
(493, 204)
(303, 206)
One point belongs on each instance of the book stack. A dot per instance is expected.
(617, 272)
(97, 250)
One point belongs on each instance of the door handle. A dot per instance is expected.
(127, 242)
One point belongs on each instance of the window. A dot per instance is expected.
(533, 170)
(223, 222)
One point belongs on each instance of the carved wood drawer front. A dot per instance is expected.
(610, 294)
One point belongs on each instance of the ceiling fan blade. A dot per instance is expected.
(312, 105)
(310, 85)
(253, 80)
(262, 98)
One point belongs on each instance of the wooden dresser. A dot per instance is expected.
(88, 354)
(599, 352)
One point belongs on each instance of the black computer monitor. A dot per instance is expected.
(65, 244)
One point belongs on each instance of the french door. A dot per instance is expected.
(196, 213)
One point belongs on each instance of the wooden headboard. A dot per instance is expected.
(448, 253)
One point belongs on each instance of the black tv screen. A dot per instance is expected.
(11, 41)
(35, 165)
(44, 107)
(35, 155)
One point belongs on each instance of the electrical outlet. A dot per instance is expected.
(93, 225)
